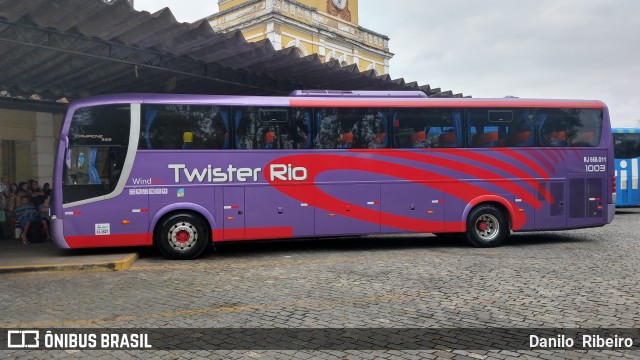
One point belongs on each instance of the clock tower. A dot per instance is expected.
(339, 8)
(328, 28)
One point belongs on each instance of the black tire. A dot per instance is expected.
(182, 237)
(487, 226)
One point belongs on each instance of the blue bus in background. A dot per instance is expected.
(626, 142)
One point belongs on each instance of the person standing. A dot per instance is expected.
(4, 202)
(23, 189)
(10, 212)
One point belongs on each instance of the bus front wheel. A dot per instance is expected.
(182, 237)
(487, 226)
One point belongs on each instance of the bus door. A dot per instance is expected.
(586, 200)
(419, 208)
(233, 212)
(272, 214)
(344, 209)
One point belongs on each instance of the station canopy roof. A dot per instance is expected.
(66, 49)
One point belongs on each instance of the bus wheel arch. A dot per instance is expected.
(488, 224)
(182, 234)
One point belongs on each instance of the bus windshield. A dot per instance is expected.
(98, 141)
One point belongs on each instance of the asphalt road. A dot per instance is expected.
(584, 278)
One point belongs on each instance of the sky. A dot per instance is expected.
(558, 49)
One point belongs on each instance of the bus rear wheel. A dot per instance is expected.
(487, 226)
(182, 237)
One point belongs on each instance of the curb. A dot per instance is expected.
(115, 265)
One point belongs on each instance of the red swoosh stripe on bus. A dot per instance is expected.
(502, 165)
(543, 158)
(332, 204)
(468, 169)
(485, 159)
(556, 158)
(317, 164)
(525, 160)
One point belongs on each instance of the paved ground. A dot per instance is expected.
(583, 278)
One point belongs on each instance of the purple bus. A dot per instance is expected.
(182, 171)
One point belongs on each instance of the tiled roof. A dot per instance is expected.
(77, 48)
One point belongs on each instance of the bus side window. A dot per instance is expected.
(369, 128)
(521, 131)
(273, 128)
(570, 127)
(491, 127)
(585, 127)
(170, 127)
(346, 128)
(426, 128)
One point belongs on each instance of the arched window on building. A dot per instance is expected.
(297, 48)
(297, 51)
(332, 56)
(375, 70)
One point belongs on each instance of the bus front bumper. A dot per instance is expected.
(57, 233)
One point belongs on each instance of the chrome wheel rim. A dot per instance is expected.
(182, 236)
(487, 227)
